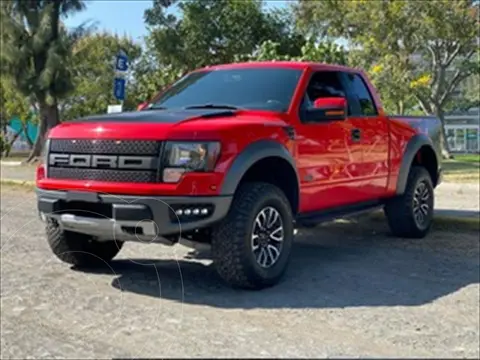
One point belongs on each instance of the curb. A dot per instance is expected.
(10, 163)
(23, 183)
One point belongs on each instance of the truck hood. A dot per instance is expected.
(158, 124)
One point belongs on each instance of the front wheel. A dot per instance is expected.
(251, 247)
(411, 214)
(79, 249)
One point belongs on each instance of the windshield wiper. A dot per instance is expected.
(213, 106)
(154, 108)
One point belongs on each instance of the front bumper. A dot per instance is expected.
(130, 218)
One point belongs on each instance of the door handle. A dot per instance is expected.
(356, 134)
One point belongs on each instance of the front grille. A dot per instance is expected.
(104, 171)
(103, 175)
(107, 147)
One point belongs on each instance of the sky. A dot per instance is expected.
(124, 16)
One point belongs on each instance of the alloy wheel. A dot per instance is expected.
(267, 237)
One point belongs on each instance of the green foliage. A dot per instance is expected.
(36, 48)
(422, 50)
(414, 43)
(323, 52)
(216, 31)
(36, 55)
(466, 98)
(208, 32)
(92, 65)
(5, 145)
(15, 104)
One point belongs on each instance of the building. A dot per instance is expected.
(463, 131)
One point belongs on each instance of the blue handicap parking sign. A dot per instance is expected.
(119, 89)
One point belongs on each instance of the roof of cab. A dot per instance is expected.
(279, 64)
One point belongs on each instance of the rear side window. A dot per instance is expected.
(359, 89)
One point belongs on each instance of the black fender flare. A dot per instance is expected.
(248, 157)
(415, 144)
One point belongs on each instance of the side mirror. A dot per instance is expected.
(328, 109)
(142, 106)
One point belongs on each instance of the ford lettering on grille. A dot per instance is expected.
(104, 160)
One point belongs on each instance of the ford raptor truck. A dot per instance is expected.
(237, 156)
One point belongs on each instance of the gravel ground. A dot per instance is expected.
(351, 291)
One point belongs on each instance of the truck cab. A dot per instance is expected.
(237, 156)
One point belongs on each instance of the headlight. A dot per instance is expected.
(182, 157)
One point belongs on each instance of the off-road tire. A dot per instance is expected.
(400, 210)
(232, 252)
(79, 249)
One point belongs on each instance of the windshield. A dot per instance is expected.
(248, 88)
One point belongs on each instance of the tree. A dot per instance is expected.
(321, 52)
(35, 54)
(149, 76)
(206, 32)
(15, 105)
(92, 64)
(466, 97)
(432, 44)
(215, 31)
(389, 77)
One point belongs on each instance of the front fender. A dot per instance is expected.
(249, 156)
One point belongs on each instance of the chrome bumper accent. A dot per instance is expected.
(110, 229)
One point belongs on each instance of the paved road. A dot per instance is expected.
(351, 291)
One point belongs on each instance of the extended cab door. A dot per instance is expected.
(370, 131)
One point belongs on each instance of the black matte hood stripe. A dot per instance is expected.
(157, 116)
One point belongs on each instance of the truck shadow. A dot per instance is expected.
(363, 269)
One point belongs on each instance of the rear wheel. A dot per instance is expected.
(251, 246)
(411, 214)
(80, 249)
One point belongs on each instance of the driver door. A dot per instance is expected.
(326, 152)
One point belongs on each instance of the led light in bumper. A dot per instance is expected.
(191, 212)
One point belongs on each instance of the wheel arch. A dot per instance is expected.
(419, 151)
(268, 161)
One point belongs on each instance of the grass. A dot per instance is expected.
(463, 168)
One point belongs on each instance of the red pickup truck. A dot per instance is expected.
(237, 156)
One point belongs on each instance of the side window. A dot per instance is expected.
(322, 84)
(360, 91)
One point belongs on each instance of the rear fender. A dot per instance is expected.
(414, 145)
